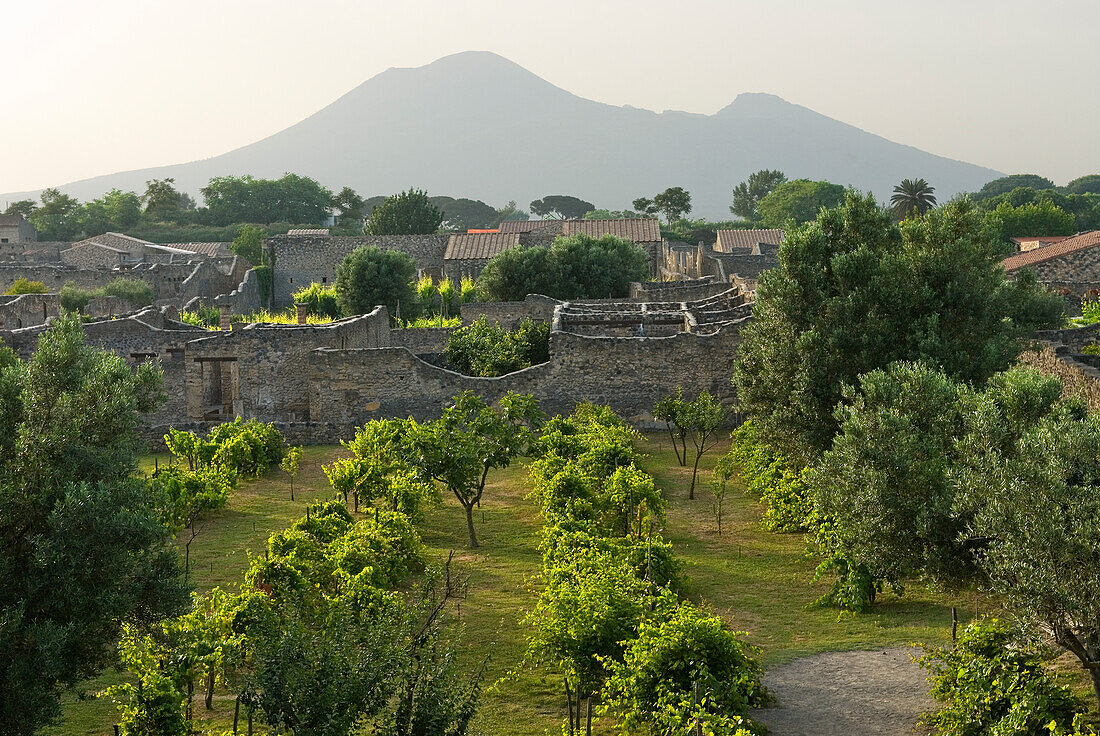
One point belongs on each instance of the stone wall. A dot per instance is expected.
(349, 387)
(303, 259)
(243, 299)
(27, 310)
(92, 256)
(510, 314)
(1078, 378)
(678, 291)
(421, 340)
(262, 370)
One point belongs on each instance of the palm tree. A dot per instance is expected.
(910, 195)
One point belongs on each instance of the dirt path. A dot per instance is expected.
(875, 693)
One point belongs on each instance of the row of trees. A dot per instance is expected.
(879, 360)
(609, 618)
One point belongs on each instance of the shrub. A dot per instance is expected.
(370, 276)
(320, 299)
(136, 292)
(782, 490)
(249, 447)
(485, 349)
(988, 685)
(75, 298)
(678, 648)
(23, 285)
(202, 316)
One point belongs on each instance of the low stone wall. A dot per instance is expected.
(421, 340)
(628, 374)
(1078, 379)
(679, 291)
(510, 314)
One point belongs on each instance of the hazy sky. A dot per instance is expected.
(96, 87)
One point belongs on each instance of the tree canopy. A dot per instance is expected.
(575, 267)
(564, 206)
(673, 202)
(854, 292)
(1012, 181)
(370, 276)
(291, 198)
(798, 201)
(912, 196)
(747, 194)
(82, 548)
(405, 213)
(1089, 184)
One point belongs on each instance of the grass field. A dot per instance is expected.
(757, 581)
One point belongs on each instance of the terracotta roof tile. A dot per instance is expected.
(526, 226)
(479, 245)
(1064, 247)
(638, 230)
(730, 239)
(308, 231)
(207, 249)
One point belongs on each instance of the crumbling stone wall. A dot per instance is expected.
(304, 259)
(92, 255)
(27, 310)
(349, 387)
(678, 291)
(510, 314)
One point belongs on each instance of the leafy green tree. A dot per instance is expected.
(320, 299)
(25, 207)
(370, 276)
(82, 549)
(249, 244)
(161, 199)
(674, 202)
(698, 420)
(291, 198)
(563, 206)
(1013, 181)
(58, 218)
(1041, 217)
(684, 668)
(1038, 503)
(348, 205)
(406, 213)
(511, 212)
(575, 267)
(912, 195)
(988, 684)
(1089, 184)
(471, 438)
(798, 201)
(291, 464)
(886, 483)
(123, 208)
(461, 214)
(854, 292)
(767, 475)
(134, 291)
(645, 206)
(484, 349)
(23, 285)
(747, 194)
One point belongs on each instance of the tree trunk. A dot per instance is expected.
(236, 713)
(694, 473)
(470, 525)
(210, 688)
(569, 701)
(1094, 673)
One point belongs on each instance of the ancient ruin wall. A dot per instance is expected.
(349, 387)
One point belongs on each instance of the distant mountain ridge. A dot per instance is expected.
(477, 125)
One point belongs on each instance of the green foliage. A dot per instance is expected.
(697, 420)
(1041, 217)
(81, 544)
(264, 280)
(912, 196)
(202, 316)
(155, 705)
(370, 276)
(291, 198)
(854, 292)
(426, 292)
(989, 685)
(320, 299)
(462, 214)
(291, 464)
(23, 285)
(747, 194)
(673, 202)
(798, 201)
(678, 649)
(249, 244)
(448, 297)
(1089, 184)
(405, 213)
(24, 207)
(437, 321)
(485, 349)
(577, 267)
(348, 205)
(248, 447)
(1010, 182)
(467, 290)
(187, 494)
(58, 217)
(136, 292)
(782, 490)
(561, 205)
(612, 215)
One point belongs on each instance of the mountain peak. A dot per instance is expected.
(758, 104)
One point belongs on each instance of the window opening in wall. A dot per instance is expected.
(3, 240)
(324, 279)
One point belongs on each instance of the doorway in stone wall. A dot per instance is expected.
(221, 390)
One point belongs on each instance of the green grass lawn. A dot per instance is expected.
(759, 582)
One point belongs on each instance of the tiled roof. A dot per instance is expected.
(479, 245)
(730, 239)
(639, 230)
(1064, 247)
(526, 226)
(10, 220)
(309, 231)
(207, 249)
(117, 240)
(1047, 239)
